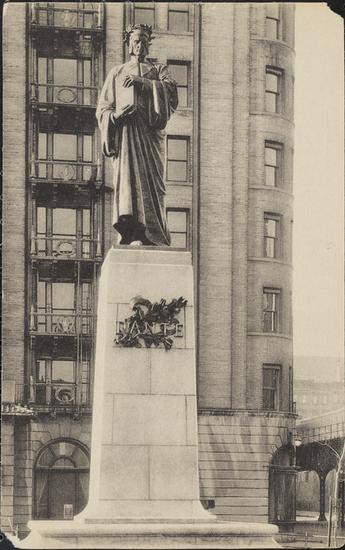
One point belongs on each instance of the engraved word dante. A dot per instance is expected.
(153, 323)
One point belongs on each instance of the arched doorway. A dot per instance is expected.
(61, 480)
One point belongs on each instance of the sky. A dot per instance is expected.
(318, 182)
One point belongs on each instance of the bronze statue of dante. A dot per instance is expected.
(134, 107)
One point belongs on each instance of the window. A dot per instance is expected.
(65, 147)
(179, 71)
(42, 146)
(144, 12)
(63, 371)
(178, 227)
(178, 17)
(67, 16)
(290, 389)
(87, 156)
(88, 98)
(64, 222)
(65, 71)
(71, 157)
(61, 382)
(273, 90)
(64, 308)
(271, 309)
(177, 164)
(42, 72)
(273, 163)
(58, 80)
(271, 387)
(272, 21)
(63, 298)
(63, 232)
(271, 235)
(65, 80)
(42, 154)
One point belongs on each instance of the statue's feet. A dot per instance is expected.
(136, 243)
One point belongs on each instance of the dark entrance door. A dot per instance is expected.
(61, 481)
(62, 490)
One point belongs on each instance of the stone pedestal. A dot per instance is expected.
(144, 438)
(144, 485)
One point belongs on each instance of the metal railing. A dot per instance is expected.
(56, 323)
(65, 247)
(57, 394)
(323, 433)
(66, 171)
(64, 94)
(80, 17)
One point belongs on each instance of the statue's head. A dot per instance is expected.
(138, 39)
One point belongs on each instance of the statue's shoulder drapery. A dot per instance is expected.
(156, 101)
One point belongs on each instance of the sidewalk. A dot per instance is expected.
(309, 532)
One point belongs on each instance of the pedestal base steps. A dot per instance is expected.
(147, 534)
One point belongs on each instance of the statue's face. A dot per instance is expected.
(138, 44)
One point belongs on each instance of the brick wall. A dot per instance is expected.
(239, 218)
(7, 473)
(23, 476)
(14, 155)
(216, 188)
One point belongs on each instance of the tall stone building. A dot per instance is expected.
(229, 201)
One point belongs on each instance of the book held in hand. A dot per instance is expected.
(124, 96)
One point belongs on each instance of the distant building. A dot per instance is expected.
(229, 201)
(314, 398)
(318, 385)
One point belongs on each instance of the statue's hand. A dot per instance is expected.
(126, 111)
(132, 80)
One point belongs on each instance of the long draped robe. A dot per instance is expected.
(137, 146)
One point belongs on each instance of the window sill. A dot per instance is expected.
(269, 260)
(271, 335)
(271, 188)
(274, 41)
(274, 115)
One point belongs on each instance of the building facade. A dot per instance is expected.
(318, 385)
(229, 201)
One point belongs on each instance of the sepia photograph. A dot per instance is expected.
(173, 275)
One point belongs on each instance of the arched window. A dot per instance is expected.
(61, 477)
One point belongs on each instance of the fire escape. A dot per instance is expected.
(65, 204)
